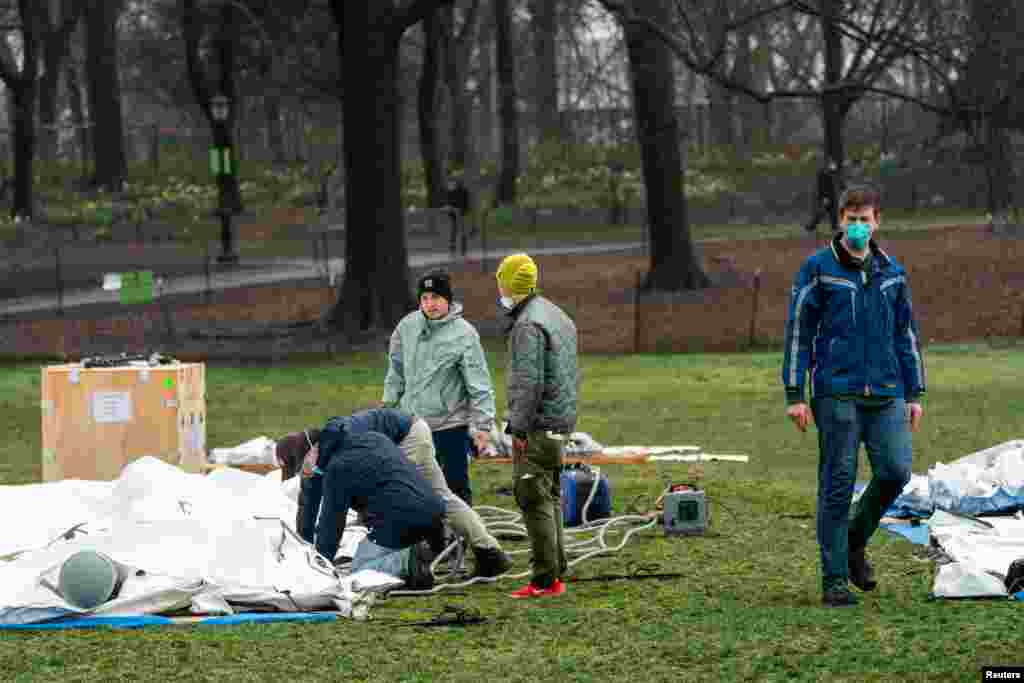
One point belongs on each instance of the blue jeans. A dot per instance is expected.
(842, 426)
(369, 555)
(452, 449)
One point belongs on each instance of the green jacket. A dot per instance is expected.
(437, 370)
(542, 376)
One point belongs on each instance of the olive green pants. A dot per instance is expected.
(538, 492)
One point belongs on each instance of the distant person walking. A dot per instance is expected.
(826, 198)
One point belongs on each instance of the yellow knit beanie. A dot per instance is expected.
(517, 275)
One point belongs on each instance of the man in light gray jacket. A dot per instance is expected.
(437, 370)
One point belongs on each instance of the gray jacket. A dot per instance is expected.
(542, 376)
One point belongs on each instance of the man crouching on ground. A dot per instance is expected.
(368, 473)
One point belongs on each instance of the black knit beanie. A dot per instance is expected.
(438, 282)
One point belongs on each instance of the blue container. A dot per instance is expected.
(576, 483)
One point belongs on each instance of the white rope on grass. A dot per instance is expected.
(500, 521)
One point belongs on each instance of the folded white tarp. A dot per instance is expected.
(981, 550)
(258, 451)
(210, 544)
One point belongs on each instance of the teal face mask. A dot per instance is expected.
(857, 235)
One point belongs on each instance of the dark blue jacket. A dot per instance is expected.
(854, 332)
(366, 471)
(392, 423)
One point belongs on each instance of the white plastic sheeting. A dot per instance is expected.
(212, 544)
(991, 480)
(981, 550)
(258, 451)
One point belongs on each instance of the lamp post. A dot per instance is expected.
(222, 167)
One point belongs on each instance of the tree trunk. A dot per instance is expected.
(999, 170)
(674, 264)
(487, 92)
(74, 87)
(376, 291)
(224, 133)
(746, 108)
(428, 112)
(49, 84)
(105, 94)
(275, 134)
(545, 32)
(509, 112)
(23, 97)
(833, 100)
(460, 127)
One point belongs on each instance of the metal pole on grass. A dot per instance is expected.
(483, 240)
(753, 313)
(206, 270)
(636, 311)
(327, 257)
(60, 281)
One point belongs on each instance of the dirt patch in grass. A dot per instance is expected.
(966, 284)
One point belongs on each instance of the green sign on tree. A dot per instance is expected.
(220, 161)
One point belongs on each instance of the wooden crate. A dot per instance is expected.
(97, 420)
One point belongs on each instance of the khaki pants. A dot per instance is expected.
(538, 491)
(418, 446)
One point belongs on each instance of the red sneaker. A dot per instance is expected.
(531, 591)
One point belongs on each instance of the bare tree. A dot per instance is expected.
(674, 264)
(225, 46)
(429, 109)
(376, 291)
(23, 88)
(105, 93)
(508, 109)
(545, 54)
(61, 21)
(461, 25)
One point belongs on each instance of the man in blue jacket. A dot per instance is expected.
(851, 326)
(413, 437)
(366, 472)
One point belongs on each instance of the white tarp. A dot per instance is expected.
(981, 550)
(211, 544)
(258, 451)
(988, 481)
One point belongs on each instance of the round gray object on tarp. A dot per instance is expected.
(88, 579)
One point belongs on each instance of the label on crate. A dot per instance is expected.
(111, 406)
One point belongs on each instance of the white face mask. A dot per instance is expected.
(507, 302)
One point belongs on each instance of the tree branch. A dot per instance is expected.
(408, 13)
(196, 74)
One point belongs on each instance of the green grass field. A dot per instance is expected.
(746, 608)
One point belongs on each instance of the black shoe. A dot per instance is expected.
(420, 577)
(838, 597)
(491, 561)
(862, 574)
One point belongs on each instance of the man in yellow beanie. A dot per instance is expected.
(541, 411)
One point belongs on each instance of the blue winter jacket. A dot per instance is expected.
(853, 332)
(365, 471)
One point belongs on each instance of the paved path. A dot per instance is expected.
(281, 270)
